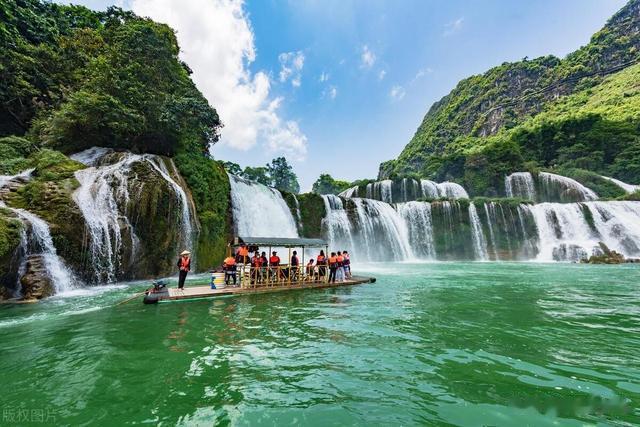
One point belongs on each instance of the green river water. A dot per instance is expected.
(428, 344)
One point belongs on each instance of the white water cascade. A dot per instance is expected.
(260, 211)
(104, 197)
(520, 184)
(417, 216)
(566, 189)
(479, 241)
(629, 188)
(39, 241)
(336, 224)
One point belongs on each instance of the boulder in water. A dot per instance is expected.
(36, 283)
(606, 256)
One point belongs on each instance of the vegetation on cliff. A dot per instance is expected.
(545, 112)
(72, 78)
(326, 184)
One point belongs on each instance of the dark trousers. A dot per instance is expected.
(181, 278)
(228, 275)
(332, 274)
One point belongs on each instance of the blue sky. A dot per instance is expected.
(339, 86)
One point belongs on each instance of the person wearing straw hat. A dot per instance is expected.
(184, 264)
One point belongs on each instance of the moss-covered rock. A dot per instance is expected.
(312, 211)
(10, 253)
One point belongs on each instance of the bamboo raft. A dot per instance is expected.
(199, 292)
(259, 280)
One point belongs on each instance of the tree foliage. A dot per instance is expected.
(72, 78)
(277, 174)
(325, 184)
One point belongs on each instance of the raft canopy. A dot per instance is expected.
(286, 242)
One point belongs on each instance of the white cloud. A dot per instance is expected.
(381, 74)
(397, 93)
(323, 77)
(291, 64)
(331, 92)
(453, 27)
(367, 58)
(217, 42)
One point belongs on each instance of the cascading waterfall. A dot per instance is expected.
(520, 184)
(375, 230)
(381, 190)
(260, 211)
(479, 241)
(40, 243)
(349, 192)
(629, 188)
(39, 240)
(417, 216)
(336, 223)
(563, 189)
(104, 199)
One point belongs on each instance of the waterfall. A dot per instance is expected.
(520, 184)
(186, 219)
(417, 216)
(41, 243)
(91, 156)
(449, 190)
(104, 199)
(349, 192)
(479, 242)
(429, 189)
(336, 224)
(298, 214)
(39, 240)
(382, 231)
(562, 189)
(629, 188)
(260, 211)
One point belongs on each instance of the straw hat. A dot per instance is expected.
(185, 253)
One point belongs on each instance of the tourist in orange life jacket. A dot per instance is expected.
(333, 267)
(184, 264)
(256, 262)
(274, 262)
(321, 262)
(229, 267)
(340, 269)
(243, 254)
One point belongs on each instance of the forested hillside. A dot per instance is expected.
(540, 113)
(72, 78)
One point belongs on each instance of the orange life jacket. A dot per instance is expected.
(184, 263)
(230, 260)
(333, 260)
(243, 251)
(274, 260)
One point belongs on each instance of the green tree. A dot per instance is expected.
(325, 184)
(258, 174)
(233, 168)
(282, 175)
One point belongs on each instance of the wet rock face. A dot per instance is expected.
(36, 283)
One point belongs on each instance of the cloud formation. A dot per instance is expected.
(453, 27)
(367, 58)
(397, 93)
(217, 42)
(291, 64)
(381, 74)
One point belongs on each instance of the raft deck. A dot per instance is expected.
(193, 292)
